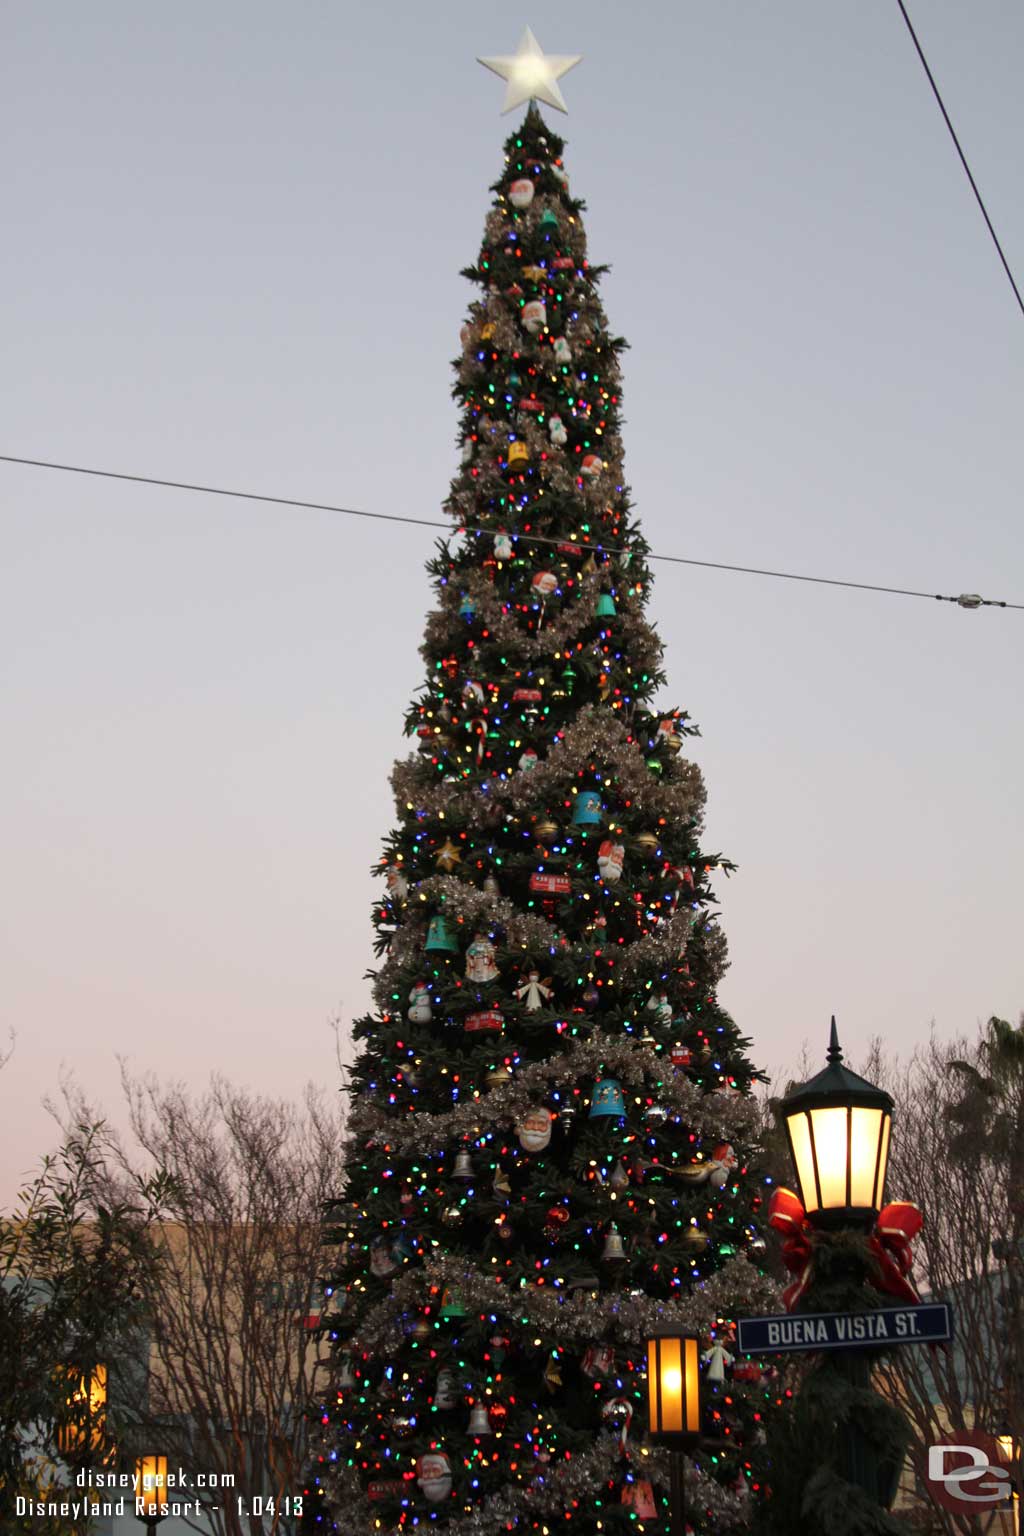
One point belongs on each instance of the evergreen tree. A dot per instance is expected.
(550, 1120)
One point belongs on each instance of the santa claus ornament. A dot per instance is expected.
(611, 856)
(520, 193)
(534, 316)
(534, 1130)
(434, 1475)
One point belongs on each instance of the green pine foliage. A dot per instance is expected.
(550, 1122)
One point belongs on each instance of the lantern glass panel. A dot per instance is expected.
(865, 1131)
(799, 1127)
(883, 1164)
(151, 1483)
(691, 1377)
(829, 1132)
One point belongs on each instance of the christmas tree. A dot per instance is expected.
(550, 1110)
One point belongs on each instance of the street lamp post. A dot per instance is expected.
(673, 1405)
(838, 1127)
(151, 1488)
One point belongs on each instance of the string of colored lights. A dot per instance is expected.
(963, 600)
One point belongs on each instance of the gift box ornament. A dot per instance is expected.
(588, 810)
(639, 1497)
(439, 935)
(607, 1098)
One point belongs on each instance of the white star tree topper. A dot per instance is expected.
(532, 74)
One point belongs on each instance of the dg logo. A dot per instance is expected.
(970, 1472)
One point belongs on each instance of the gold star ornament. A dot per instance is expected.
(448, 855)
(532, 75)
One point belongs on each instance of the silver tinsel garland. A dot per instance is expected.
(562, 1317)
(541, 1491)
(707, 1114)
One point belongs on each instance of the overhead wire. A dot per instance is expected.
(963, 157)
(963, 600)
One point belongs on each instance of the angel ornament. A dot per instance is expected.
(716, 1358)
(534, 993)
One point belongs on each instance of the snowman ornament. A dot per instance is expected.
(502, 546)
(556, 431)
(533, 993)
(420, 1011)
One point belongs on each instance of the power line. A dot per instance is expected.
(963, 157)
(964, 600)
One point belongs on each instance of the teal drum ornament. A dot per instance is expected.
(588, 810)
(439, 935)
(607, 1098)
(605, 606)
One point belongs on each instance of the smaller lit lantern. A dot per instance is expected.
(838, 1128)
(150, 1485)
(673, 1388)
(86, 1412)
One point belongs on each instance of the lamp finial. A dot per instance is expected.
(835, 1051)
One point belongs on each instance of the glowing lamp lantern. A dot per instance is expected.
(150, 1490)
(439, 935)
(838, 1128)
(607, 1098)
(674, 1405)
(588, 810)
(605, 606)
(86, 1405)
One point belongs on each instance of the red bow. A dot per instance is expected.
(897, 1226)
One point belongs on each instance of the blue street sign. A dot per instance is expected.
(925, 1324)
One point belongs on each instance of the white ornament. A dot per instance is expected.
(534, 316)
(502, 547)
(717, 1358)
(531, 74)
(534, 992)
(562, 351)
(434, 1475)
(610, 859)
(480, 964)
(534, 1130)
(661, 1008)
(468, 447)
(419, 997)
(520, 193)
(446, 1395)
(556, 428)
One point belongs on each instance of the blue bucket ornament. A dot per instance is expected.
(588, 810)
(439, 935)
(607, 1098)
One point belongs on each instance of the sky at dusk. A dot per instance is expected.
(232, 242)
